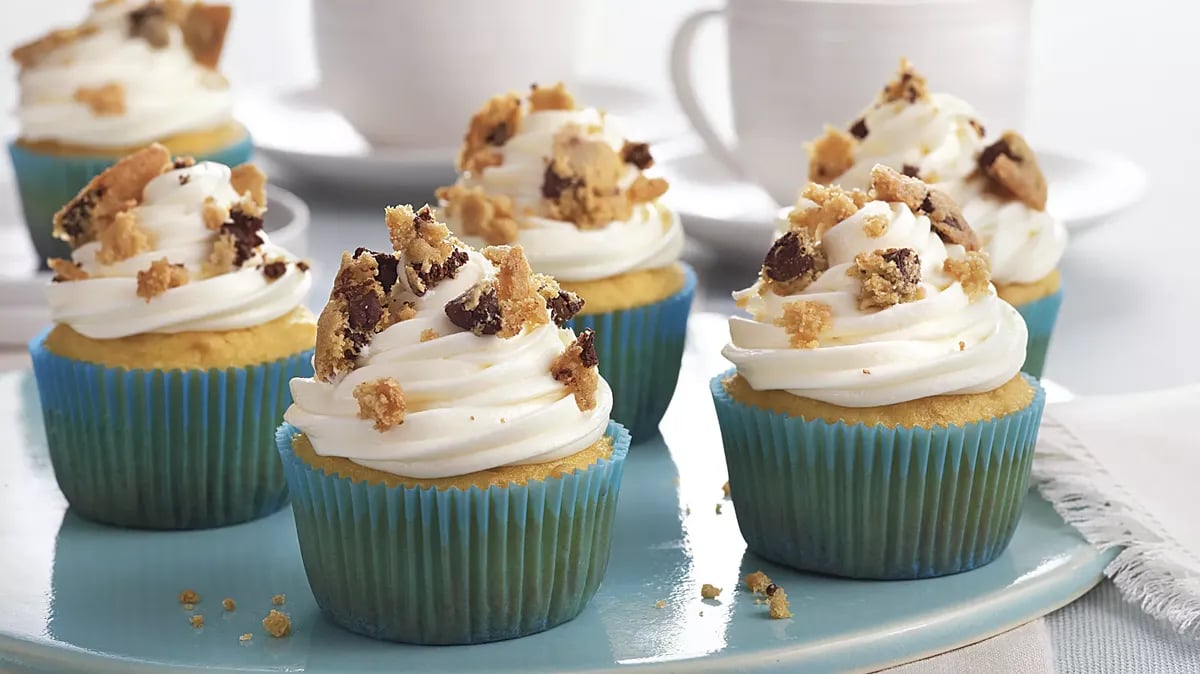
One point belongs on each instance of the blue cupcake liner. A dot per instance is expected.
(640, 351)
(47, 182)
(165, 449)
(433, 566)
(876, 502)
(1039, 316)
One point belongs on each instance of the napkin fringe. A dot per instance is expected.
(1152, 569)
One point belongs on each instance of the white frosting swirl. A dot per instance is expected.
(473, 402)
(934, 134)
(941, 344)
(106, 305)
(1024, 244)
(651, 238)
(166, 91)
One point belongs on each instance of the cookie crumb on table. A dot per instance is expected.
(708, 591)
(777, 605)
(246, 637)
(189, 597)
(381, 400)
(757, 582)
(277, 624)
(197, 621)
(660, 604)
(228, 604)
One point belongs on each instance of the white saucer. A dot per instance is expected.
(23, 310)
(738, 217)
(306, 139)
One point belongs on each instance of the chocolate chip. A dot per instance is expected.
(438, 272)
(423, 216)
(859, 128)
(75, 219)
(499, 134)
(637, 154)
(247, 234)
(150, 23)
(991, 153)
(911, 171)
(587, 348)
(791, 257)
(363, 313)
(273, 270)
(907, 262)
(388, 267)
(975, 124)
(477, 310)
(184, 178)
(302, 265)
(183, 162)
(772, 589)
(553, 185)
(947, 220)
(564, 306)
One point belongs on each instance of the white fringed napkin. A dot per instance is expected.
(1125, 471)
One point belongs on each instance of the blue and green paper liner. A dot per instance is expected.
(640, 351)
(166, 449)
(431, 566)
(1039, 316)
(876, 502)
(46, 182)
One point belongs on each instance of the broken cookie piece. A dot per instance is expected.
(117, 189)
(381, 400)
(581, 183)
(757, 582)
(104, 101)
(974, 272)
(357, 310)
(643, 190)
(249, 179)
(563, 304)
(794, 261)
(889, 277)
(831, 155)
(30, 54)
(576, 368)
(944, 215)
(777, 603)
(66, 270)
(277, 624)
(160, 277)
(477, 310)
(204, 29)
(121, 239)
(1013, 167)
(490, 128)
(479, 214)
(637, 154)
(521, 305)
(550, 98)
(430, 252)
(830, 205)
(804, 321)
(908, 85)
(708, 591)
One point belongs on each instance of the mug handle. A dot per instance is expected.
(685, 93)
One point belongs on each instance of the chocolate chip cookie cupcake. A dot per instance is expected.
(876, 424)
(940, 139)
(132, 73)
(565, 183)
(177, 325)
(455, 437)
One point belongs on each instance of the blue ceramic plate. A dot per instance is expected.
(77, 596)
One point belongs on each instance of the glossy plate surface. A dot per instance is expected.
(82, 597)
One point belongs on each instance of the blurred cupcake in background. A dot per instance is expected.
(940, 139)
(453, 468)
(567, 185)
(876, 425)
(131, 74)
(177, 326)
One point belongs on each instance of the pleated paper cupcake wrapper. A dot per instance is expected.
(46, 182)
(640, 351)
(1039, 316)
(879, 503)
(430, 566)
(166, 449)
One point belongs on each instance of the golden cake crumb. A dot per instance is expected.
(246, 637)
(795, 260)
(757, 582)
(490, 128)
(277, 624)
(160, 277)
(830, 156)
(228, 604)
(521, 306)
(576, 368)
(660, 604)
(66, 270)
(104, 101)
(832, 205)
(279, 599)
(189, 597)
(908, 85)
(214, 214)
(116, 190)
(875, 226)
(582, 181)
(428, 335)
(1013, 167)
(249, 179)
(804, 321)
(550, 98)
(777, 605)
(974, 272)
(381, 400)
(122, 239)
(30, 53)
(889, 277)
(197, 621)
(944, 215)
(644, 190)
(709, 591)
(489, 217)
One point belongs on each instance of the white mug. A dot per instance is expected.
(796, 65)
(410, 74)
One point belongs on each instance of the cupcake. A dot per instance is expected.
(875, 425)
(131, 74)
(998, 183)
(177, 325)
(453, 469)
(566, 184)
